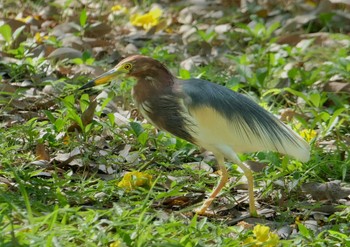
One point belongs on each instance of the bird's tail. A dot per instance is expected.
(292, 144)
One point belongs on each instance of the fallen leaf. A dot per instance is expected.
(256, 166)
(7, 89)
(65, 53)
(201, 165)
(86, 117)
(67, 158)
(193, 62)
(88, 114)
(180, 202)
(337, 87)
(41, 152)
(332, 191)
(98, 29)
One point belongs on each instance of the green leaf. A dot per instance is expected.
(86, 55)
(83, 18)
(68, 101)
(315, 99)
(6, 32)
(84, 102)
(137, 128)
(297, 93)
(90, 61)
(50, 116)
(334, 119)
(194, 221)
(261, 75)
(59, 124)
(73, 115)
(111, 119)
(303, 230)
(185, 74)
(77, 61)
(292, 73)
(272, 28)
(142, 138)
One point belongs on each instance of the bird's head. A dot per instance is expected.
(138, 66)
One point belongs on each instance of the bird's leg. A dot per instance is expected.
(220, 185)
(249, 176)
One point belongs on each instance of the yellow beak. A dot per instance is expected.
(105, 77)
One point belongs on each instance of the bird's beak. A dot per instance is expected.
(105, 77)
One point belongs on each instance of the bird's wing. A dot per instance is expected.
(224, 117)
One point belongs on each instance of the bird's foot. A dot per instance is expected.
(203, 211)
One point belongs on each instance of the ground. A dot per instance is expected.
(85, 169)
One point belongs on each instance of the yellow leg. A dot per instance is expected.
(222, 181)
(229, 154)
(249, 175)
(224, 177)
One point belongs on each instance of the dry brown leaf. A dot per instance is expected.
(62, 29)
(41, 152)
(193, 62)
(95, 43)
(201, 165)
(88, 114)
(33, 103)
(7, 88)
(65, 53)
(332, 191)
(84, 69)
(337, 87)
(320, 38)
(73, 41)
(98, 29)
(245, 225)
(43, 49)
(287, 115)
(255, 166)
(125, 151)
(68, 158)
(178, 202)
(86, 117)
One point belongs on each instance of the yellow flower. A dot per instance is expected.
(308, 134)
(119, 8)
(262, 237)
(147, 20)
(40, 38)
(274, 239)
(261, 232)
(117, 243)
(132, 180)
(249, 241)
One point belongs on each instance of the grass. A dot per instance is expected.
(76, 201)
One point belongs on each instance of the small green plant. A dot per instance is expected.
(9, 36)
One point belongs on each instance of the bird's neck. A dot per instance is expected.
(152, 84)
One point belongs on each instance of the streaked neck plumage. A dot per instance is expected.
(152, 82)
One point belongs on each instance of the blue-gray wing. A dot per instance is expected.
(224, 117)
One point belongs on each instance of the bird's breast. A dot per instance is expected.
(167, 112)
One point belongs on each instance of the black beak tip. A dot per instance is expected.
(87, 85)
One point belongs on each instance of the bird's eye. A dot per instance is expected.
(128, 66)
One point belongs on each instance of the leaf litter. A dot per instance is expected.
(60, 45)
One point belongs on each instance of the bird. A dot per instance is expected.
(209, 115)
